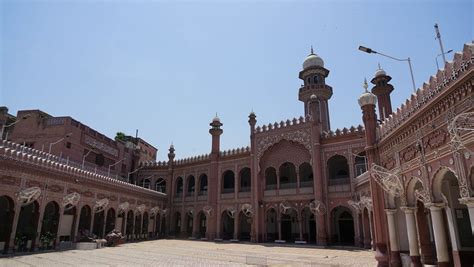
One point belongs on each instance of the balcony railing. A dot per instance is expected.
(228, 190)
(306, 184)
(245, 189)
(339, 181)
(270, 187)
(360, 168)
(287, 185)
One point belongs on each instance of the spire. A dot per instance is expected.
(366, 85)
(379, 66)
(312, 52)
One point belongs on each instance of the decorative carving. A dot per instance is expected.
(100, 205)
(247, 210)
(435, 139)
(317, 207)
(71, 200)
(154, 211)
(140, 209)
(409, 153)
(231, 212)
(55, 188)
(33, 183)
(207, 210)
(28, 195)
(88, 194)
(366, 201)
(8, 180)
(423, 194)
(190, 211)
(302, 136)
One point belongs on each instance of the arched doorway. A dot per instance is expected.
(244, 226)
(85, 221)
(138, 226)
(343, 226)
(145, 225)
(189, 224)
(27, 224)
(68, 220)
(271, 225)
(289, 226)
(227, 226)
(338, 170)
(202, 225)
(130, 219)
(7, 212)
(49, 225)
(177, 224)
(308, 226)
(228, 182)
(110, 222)
(99, 221)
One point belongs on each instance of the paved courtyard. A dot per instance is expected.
(197, 253)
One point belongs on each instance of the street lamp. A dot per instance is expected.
(84, 158)
(442, 54)
(137, 169)
(51, 144)
(370, 51)
(108, 172)
(11, 124)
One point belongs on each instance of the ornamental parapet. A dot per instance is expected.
(460, 67)
(344, 132)
(235, 152)
(18, 153)
(288, 124)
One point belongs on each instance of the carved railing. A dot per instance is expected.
(16, 152)
(463, 61)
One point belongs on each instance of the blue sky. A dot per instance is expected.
(167, 67)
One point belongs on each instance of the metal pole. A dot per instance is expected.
(1, 132)
(438, 36)
(412, 77)
(437, 65)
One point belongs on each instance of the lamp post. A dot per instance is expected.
(11, 124)
(370, 51)
(442, 54)
(84, 158)
(137, 169)
(108, 172)
(52, 144)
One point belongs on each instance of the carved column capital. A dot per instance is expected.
(408, 209)
(390, 211)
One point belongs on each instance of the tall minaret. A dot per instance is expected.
(314, 77)
(382, 90)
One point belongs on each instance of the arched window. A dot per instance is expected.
(338, 170)
(146, 183)
(360, 164)
(245, 180)
(228, 182)
(203, 184)
(179, 186)
(270, 178)
(191, 183)
(306, 175)
(316, 79)
(160, 185)
(287, 175)
(309, 80)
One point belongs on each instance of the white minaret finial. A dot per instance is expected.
(379, 66)
(365, 85)
(312, 52)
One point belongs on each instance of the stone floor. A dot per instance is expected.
(198, 253)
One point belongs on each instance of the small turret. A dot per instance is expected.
(382, 90)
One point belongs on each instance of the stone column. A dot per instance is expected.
(105, 223)
(469, 202)
(91, 224)
(196, 225)
(141, 226)
(236, 225)
(132, 233)
(36, 243)
(61, 212)
(16, 217)
(279, 227)
(366, 230)
(412, 235)
(124, 223)
(300, 226)
(395, 259)
(371, 231)
(441, 241)
(76, 225)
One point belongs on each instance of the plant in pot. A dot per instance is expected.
(20, 241)
(46, 239)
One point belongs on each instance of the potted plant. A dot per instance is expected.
(47, 239)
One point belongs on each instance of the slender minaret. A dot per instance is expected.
(314, 77)
(213, 183)
(367, 103)
(382, 90)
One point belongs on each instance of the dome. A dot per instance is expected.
(380, 72)
(367, 98)
(216, 119)
(313, 60)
